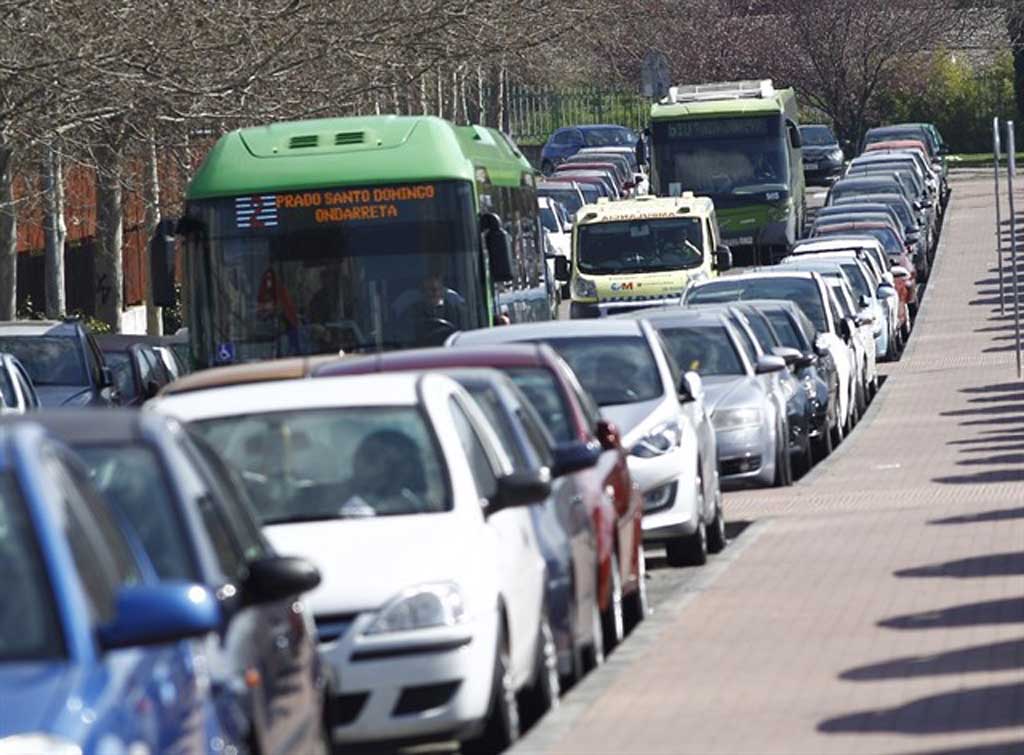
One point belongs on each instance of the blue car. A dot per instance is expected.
(195, 523)
(95, 655)
(566, 142)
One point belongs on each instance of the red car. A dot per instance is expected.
(895, 250)
(613, 501)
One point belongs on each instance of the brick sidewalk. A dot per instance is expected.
(879, 606)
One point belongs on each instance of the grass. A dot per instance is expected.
(979, 160)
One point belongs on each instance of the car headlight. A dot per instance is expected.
(38, 744)
(421, 607)
(584, 288)
(836, 155)
(658, 442)
(733, 419)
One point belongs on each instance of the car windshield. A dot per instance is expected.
(890, 241)
(802, 291)
(120, 363)
(132, 478)
(705, 349)
(28, 620)
(722, 157)
(495, 412)
(817, 136)
(49, 360)
(786, 330)
(612, 369)
(545, 395)
(608, 137)
(855, 275)
(897, 203)
(639, 246)
(570, 198)
(863, 185)
(547, 217)
(342, 463)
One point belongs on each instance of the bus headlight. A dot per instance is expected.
(584, 288)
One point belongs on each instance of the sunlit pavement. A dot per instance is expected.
(876, 606)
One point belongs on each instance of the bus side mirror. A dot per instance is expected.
(794, 137)
(561, 269)
(161, 264)
(499, 248)
(723, 259)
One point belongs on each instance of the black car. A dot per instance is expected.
(63, 360)
(138, 369)
(823, 156)
(816, 371)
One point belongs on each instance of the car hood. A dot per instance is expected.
(366, 562)
(34, 695)
(731, 392)
(635, 420)
(819, 151)
(58, 395)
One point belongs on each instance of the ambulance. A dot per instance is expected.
(641, 252)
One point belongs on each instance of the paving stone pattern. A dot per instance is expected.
(880, 608)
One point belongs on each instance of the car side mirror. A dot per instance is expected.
(898, 271)
(562, 272)
(608, 435)
(723, 258)
(691, 387)
(573, 457)
(885, 291)
(789, 355)
(864, 301)
(278, 577)
(767, 364)
(106, 377)
(499, 248)
(152, 388)
(159, 614)
(846, 329)
(865, 318)
(520, 489)
(806, 359)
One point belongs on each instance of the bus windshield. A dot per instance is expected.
(722, 157)
(639, 246)
(318, 271)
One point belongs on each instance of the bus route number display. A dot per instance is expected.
(332, 206)
(717, 128)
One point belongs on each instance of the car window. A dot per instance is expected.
(855, 275)
(707, 350)
(542, 390)
(483, 473)
(50, 360)
(133, 479)
(28, 391)
(541, 441)
(802, 291)
(497, 414)
(785, 329)
(120, 363)
(7, 388)
(345, 462)
(763, 330)
(147, 367)
(29, 627)
(613, 369)
(94, 359)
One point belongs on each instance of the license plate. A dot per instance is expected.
(810, 166)
(742, 241)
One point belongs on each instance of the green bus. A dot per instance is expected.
(738, 143)
(358, 234)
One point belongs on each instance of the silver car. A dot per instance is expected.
(745, 412)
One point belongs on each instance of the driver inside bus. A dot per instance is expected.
(436, 307)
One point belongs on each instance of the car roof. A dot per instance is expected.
(754, 274)
(393, 389)
(95, 426)
(861, 180)
(675, 314)
(540, 331)
(38, 328)
(838, 242)
(244, 374)
(439, 358)
(122, 342)
(853, 224)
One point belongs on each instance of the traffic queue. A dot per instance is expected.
(342, 551)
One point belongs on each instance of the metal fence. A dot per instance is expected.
(534, 113)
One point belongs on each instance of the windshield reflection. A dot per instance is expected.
(643, 246)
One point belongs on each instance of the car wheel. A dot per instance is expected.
(543, 693)
(636, 603)
(613, 625)
(783, 464)
(805, 459)
(717, 539)
(823, 444)
(691, 550)
(501, 727)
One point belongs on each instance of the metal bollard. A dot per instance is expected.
(996, 149)
(1011, 173)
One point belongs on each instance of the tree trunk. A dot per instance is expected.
(1016, 24)
(55, 233)
(154, 314)
(8, 235)
(109, 280)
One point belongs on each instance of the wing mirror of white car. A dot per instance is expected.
(898, 271)
(691, 387)
(767, 363)
(789, 355)
(807, 359)
(864, 301)
(520, 489)
(885, 290)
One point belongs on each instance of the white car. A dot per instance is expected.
(661, 415)
(863, 339)
(556, 222)
(431, 613)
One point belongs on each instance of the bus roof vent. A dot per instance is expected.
(303, 142)
(726, 90)
(343, 138)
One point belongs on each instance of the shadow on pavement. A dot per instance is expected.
(1000, 611)
(993, 565)
(999, 748)
(997, 656)
(980, 478)
(993, 707)
(996, 388)
(733, 530)
(999, 515)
